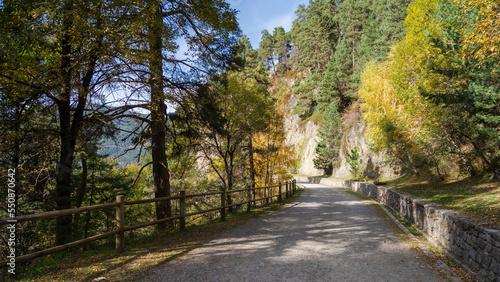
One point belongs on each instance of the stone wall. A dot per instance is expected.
(473, 242)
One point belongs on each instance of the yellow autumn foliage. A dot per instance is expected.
(481, 36)
(274, 160)
(399, 117)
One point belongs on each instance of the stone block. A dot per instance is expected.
(494, 265)
(495, 253)
(483, 272)
(475, 231)
(474, 265)
(496, 241)
(469, 239)
(466, 224)
(465, 256)
(483, 235)
(481, 243)
(488, 248)
(493, 277)
(484, 260)
(477, 257)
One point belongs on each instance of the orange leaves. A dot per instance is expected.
(274, 160)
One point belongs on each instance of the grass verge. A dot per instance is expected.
(474, 196)
(141, 253)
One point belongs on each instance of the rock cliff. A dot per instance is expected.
(304, 135)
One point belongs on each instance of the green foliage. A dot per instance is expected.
(60, 64)
(354, 161)
(333, 42)
(275, 50)
(328, 147)
(352, 17)
(386, 27)
(475, 96)
(315, 33)
(428, 101)
(231, 107)
(102, 181)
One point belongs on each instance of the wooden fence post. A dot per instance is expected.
(249, 197)
(120, 223)
(223, 205)
(254, 203)
(267, 195)
(263, 199)
(182, 206)
(279, 195)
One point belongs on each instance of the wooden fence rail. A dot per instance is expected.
(289, 189)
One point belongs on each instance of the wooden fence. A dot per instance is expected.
(285, 190)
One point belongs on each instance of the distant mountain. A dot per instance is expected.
(121, 146)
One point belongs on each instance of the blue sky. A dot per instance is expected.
(256, 15)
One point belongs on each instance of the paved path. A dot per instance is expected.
(326, 235)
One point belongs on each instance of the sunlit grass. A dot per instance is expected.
(475, 196)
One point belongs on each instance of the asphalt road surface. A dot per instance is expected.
(327, 234)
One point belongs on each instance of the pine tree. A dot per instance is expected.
(389, 16)
(266, 49)
(475, 97)
(352, 17)
(282, 48)
(315, 33)
(328, 147)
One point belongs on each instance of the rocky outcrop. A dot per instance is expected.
(374, 165)
(304, 136)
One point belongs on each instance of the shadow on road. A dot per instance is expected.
(327, 235)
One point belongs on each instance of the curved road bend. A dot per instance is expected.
(326, 235)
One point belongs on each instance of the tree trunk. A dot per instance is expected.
(66, 149)
(483, 157)
(80, 193)
(70, 125)
(158, 115)
(63, 178)
(466, 162)
(251, 167)
(353, 62)
(229, 200)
